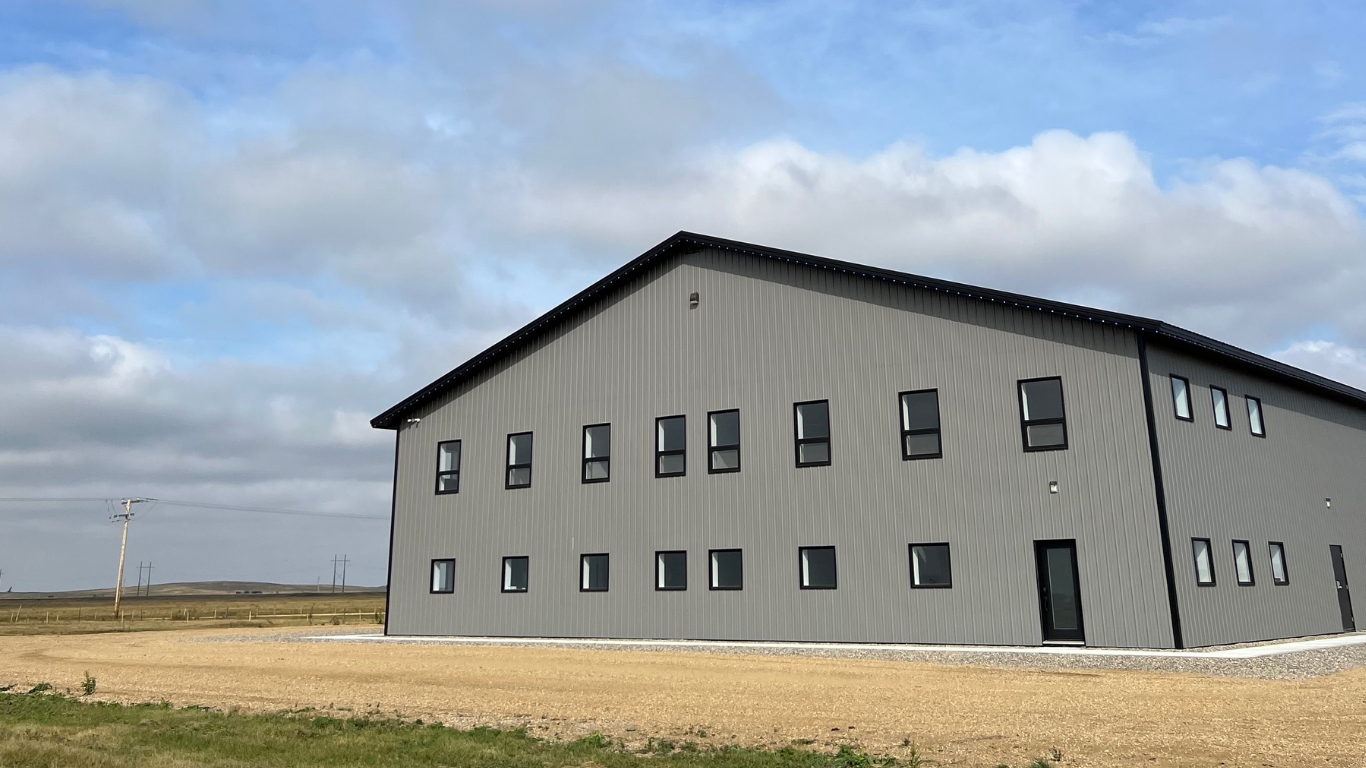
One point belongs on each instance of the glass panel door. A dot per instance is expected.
(1059, 591)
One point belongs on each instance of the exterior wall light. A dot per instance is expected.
(693, 300)
(1052, 486)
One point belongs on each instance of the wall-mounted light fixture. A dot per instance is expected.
(1328, 503)
(693, 300)
(1052, 486)
(414, 420)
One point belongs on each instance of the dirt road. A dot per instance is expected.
(957, 715)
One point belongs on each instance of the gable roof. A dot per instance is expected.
(687, 242)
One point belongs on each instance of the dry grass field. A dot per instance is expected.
(79, 615)
(959, 715)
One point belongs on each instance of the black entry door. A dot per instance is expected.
(1059, 590)
(1344, 596)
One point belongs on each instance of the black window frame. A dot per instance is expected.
(1251, 571)
(659, 564)
(711, 580)
(801, 577)
(660, 453)
(431, 581)
(905, 433)
(798, 441)
(1025, 424)
(1271, 563)
(583, 451)
(440, 474)
(1209, 553)
(607, 562)
(1214, 407)
(1248, 400)
(503, 575)
(910, 552)
(509, 466)
(712, 449)
(1190, 402)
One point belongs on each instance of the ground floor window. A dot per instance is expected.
(727, 569)
(515, 571)
(1279, 574)
(930, 567)
(593, 573)
(443, 576)
(671, 570)
(818, 567)
(1204, 567)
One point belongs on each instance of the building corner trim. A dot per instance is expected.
(393, 520)
(1164, 528)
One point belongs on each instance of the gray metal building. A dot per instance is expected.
(726, 441)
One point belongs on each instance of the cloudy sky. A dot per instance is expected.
(231, 233)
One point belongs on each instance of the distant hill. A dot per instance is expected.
(199, 588)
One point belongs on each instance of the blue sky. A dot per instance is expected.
(232, 232)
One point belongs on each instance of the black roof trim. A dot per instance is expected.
(689, 241)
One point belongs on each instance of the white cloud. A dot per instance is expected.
(1063, 215)
(1326, 358)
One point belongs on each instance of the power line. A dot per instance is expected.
(203, 505)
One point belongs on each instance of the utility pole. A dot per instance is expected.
(139, 592)
(124, 516)
(344, 561)
(149, 579)
(334, 574)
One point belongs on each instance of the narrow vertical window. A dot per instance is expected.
(920, 425)
(1043, 422)
(1219, 398)
(930, 566)
(671, 571)
(597, 453)
(1204, 567)
(1279, 575)
(448, 466)
(1254, 416)
(593, 573)
(1242, 563)
(671, 443)
(519, 460)
(1181, 398)
(443, 576)
(515, 570)
(812, 425)
(723, 451)
(818, 567)
(727, 569)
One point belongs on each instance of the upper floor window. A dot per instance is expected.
(1220, 399)
(1242, 563)
(1279, 574)
(1254, 416)
(1043, 422)
(920, 425)
(1204, 565)
(597, 453)
(671, 442)
(812, 421)
(443, 576)
(1181, 398)
(723, 447)
(448, 466)
(519, 460)
(593, 573)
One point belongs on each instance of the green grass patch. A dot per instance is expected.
(48, 731)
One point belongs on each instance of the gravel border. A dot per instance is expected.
(1299, 665)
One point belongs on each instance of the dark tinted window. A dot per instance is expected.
(515, 574)
(727, 569)
(519, 460)
(920, 425)
(818, 567)
(930, 566)
(671, 570)
(671, 446)
(443, 576)
(448, 467)
(1042, 418)
(813, 433)
(723, 452)
(593, 573)
(597, 453)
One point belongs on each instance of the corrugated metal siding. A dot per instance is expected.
(768, 334)
(1227, 484)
